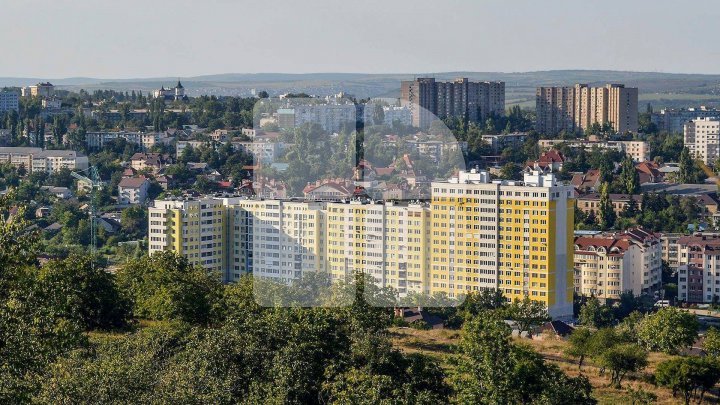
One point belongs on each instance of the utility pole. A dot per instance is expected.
(95, 186)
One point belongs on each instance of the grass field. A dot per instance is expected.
(439, 343)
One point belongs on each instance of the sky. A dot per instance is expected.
(168, 38)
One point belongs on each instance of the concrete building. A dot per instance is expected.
(332, 118)
(699, 268)
(46, 90)
(9, 101)
(639, 151)
(591, 202)
(430, 100)
(674, 120)
(499, 142)
(702, 138)
(194, 229)
(512, 236)
(391, 114)
(146, 140)
(133, 190)
(476, 234)
(38, 160)
(607, 265)
(579, 107)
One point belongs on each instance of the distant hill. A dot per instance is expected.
(660, 89)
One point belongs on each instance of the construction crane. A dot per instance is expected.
(95, 186)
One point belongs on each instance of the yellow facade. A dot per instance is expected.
(475, 234)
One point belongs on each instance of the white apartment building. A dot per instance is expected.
(607, 265)
(702, 138)
(331, 117)
(391, 114)
(38, 160)
(639, 151)
(133, 190)
(275, 240)
(146, 140)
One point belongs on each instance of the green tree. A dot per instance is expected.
(165, 286)
(688, 171)
(629, 177)
(711, 344)
(594, 314)
(622, 359)
(607, 211)
(668, 330)
(85, 292)
(580, 345)
(688, 376)
(527, 314)
(493, 370)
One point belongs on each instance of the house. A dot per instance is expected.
(62, 193)
(586, 182)
(548, 162)
(558, 329)
(42, 212)
(591, 202)
(708, 202)
(110, 225)
(649, 172)
(152, 162)
(133, 190)
(328, 190)
(165, 181)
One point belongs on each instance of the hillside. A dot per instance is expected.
(439, 344)
(660, 89)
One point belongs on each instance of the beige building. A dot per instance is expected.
(702, 138)
(38, 160)
(46, 90)
(579, 107)
(607, 265)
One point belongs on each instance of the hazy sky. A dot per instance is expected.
(145, 38)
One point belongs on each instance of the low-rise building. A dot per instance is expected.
(133, 190)
(38, 160)
(586, 182)
(591, 202)
(146, 140)
(499, 142)
(152, 162)
(548, 162)
(608, 265)
(639, 151)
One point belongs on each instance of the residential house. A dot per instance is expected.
(151, 162)
(133, 190)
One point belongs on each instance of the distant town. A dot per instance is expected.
(606, 197)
